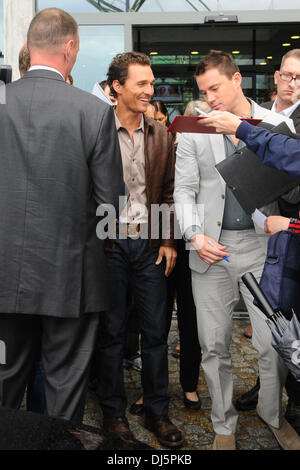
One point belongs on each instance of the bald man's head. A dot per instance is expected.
(50, 29)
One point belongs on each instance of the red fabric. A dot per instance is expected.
(294, 225)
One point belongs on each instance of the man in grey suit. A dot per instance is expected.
(59, 158)
(287, 80)
(216, 226)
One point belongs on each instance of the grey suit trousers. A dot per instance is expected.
(215, 293)
(65, 345)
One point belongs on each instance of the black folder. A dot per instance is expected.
(253, 183)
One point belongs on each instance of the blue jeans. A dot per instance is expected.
(131, 265)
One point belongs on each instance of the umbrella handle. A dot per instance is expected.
(264, 305)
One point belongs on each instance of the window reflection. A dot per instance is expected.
(264, 84)
(98, 45)
(260, 44)
(85, 6)
(187, 44)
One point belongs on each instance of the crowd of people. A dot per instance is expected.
(78, 296)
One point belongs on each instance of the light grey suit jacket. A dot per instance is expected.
(199, 193)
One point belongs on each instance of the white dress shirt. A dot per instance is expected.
(287, 111)
(45, 67)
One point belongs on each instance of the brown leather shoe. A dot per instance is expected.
(120, 427)
(165, 431)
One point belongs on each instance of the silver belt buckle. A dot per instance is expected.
(133, 230)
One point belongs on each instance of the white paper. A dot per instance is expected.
(99, 92)
(259, 218)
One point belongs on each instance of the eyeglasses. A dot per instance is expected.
(288, 77)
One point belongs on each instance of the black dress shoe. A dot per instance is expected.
(137, 409)
(120, 427)
(133, 362)
(292, 415)
(248, 400)
(190, 404)
(165, 431)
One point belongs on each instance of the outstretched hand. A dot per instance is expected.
(223, 121)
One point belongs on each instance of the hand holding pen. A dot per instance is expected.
(214, 246)
(208, 249)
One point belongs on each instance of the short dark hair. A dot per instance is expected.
(118, 69)
(24, 60)
(103, 84)
(50, 28)
(159, 106)
(220, 60)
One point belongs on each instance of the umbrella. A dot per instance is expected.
(285, 333)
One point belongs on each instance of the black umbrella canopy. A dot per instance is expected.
(285, 333)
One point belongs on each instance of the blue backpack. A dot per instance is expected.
(280, 280)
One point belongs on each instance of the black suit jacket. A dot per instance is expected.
(286, 208)
(295, 116)
(59, 158)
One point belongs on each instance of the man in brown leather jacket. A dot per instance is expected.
(142, 255)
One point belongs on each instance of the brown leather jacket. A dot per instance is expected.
(160, 170)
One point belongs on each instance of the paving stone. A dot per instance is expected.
(252, 433)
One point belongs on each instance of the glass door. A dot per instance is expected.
(257, 84)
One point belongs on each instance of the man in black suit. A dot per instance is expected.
(59, 158)
(287, 102)
(287, 80)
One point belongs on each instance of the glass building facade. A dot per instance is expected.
(98, 45)
(176, 35)
(118, 6)
(176, 50)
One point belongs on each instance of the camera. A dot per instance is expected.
(5, 73)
